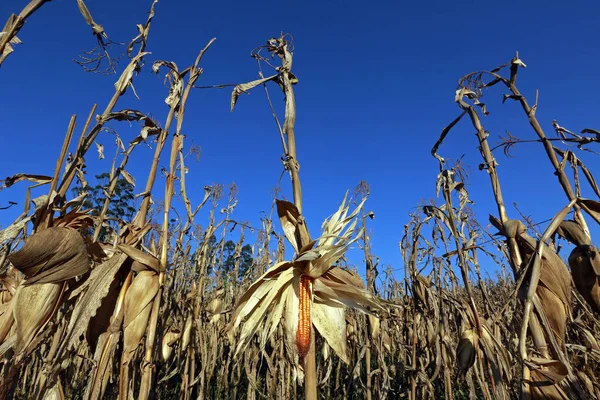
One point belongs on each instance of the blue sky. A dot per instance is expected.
(376, 87)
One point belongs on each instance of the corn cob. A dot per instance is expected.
(304, 321)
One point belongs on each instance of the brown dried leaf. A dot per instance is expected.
(128, 177)
(53, 255)
(97, 287)
(176, 88)
(142, 261)
(40, 179)
(103, 357)
(96, 28)
(573, 232)
(100, 322)
(100, 149)
(592, 207)
(245, 87)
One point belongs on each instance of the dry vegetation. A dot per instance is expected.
(96, 308)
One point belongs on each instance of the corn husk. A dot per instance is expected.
(466, 350)
(53, 255)
(584, 261)
(138, 304)
(168, 342)
(33, 306)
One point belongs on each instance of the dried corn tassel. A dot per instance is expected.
(304, 321)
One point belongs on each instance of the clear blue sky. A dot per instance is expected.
(376, 87)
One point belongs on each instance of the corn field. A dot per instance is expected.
(152, 306)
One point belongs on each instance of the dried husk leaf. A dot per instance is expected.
(187, 332)
(573, 232)
(74, 220)
(215, 306)
(585, 267)
(53, 255)
(255, 293)
(592, 207)
(8, 285)
(546, 378)
(168, 342)
(346, 291)
(6, 320)
(466, 350)
(331, 324)
(33, 306)
(289, 217)
(256, 318)
(374, 326)
(290, 317)
(591, 340)
(55, 392)
(387, 342)
(554, 288)
(326, 350)
(138, 304)
(334, 241)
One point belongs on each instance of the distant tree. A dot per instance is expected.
(229, 258)
(121, 206)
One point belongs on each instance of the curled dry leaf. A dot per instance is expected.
(100, 149)
(53, 255)
(573, 232)
(75, 220)
(245, 87)
(97, 29)
(141, 261)
(546, 376)
(11, 180)
(176, 87)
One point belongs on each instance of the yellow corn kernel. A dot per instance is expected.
(304, 321)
